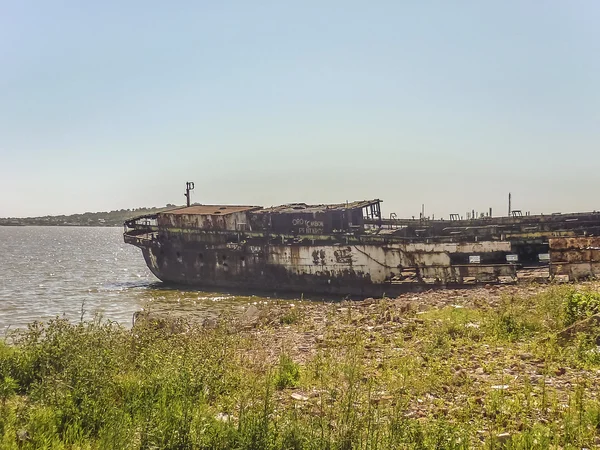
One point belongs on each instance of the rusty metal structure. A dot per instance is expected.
(349, 249)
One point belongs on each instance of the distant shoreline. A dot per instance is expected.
(58, 225)
(97, 219)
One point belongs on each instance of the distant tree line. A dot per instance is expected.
(87, 219)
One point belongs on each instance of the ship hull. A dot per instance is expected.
(349, 250)
(268, 278)
(358, 270)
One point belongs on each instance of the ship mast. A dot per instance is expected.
(189, 186)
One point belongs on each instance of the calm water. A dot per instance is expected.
(58, 271)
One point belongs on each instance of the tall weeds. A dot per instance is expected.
(442, 380)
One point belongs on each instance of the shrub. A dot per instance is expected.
(580, 305)
(513, 320)
(288, 373)
(290, 317)
(8, 387)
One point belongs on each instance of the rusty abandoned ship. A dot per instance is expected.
(349, 249)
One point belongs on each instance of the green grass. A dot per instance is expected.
(288, 373)
(378, 377)
(291, 317)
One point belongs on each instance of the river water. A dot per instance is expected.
(82, 272)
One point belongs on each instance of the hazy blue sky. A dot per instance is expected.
(116, 104)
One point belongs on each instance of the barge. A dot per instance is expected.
(349, 249)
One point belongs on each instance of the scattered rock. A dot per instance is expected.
(23, 435)
(222, 417)
(250, 315)
(174, 325)
(382, 399)
(209, 323)
(500, 387)
(299, 397)
(503, 437)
